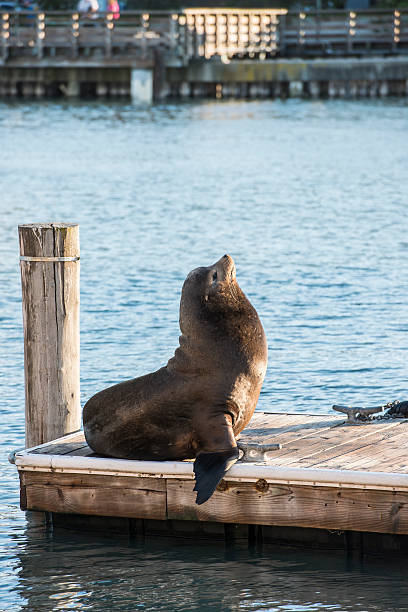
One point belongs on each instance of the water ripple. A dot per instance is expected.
(310, 200)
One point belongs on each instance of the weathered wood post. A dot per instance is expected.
(159, 75)
(49, 260)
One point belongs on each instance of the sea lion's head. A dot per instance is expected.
(208, 294)
(221, 330)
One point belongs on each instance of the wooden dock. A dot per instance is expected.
(324, 482)
(327, 475)
(204, 53)
(203, 33)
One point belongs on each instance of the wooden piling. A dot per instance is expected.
(49, 261)
(159, 75)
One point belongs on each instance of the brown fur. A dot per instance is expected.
(207, 392)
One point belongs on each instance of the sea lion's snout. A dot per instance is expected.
(225, 268)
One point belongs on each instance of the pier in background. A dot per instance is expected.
(204, 53)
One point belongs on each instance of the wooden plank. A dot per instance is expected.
(65, 448)
(307, 439)
(369, 443)
(390, 455)
(61, 447)
(100, 501)
(84, 451)
(87, 480)
(280, 422)
(300, 506)
(274, 420)
(265, 430)
(97, 497)
(302, 426)
(307, 451)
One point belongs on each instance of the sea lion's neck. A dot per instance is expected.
(191, 357)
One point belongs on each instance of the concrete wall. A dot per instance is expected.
(250, 71)
(239, 78)
(310, 78)
(68, 81)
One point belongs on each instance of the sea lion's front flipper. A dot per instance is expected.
(218, 452)
(209, 468)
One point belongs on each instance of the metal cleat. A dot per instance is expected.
(253, 452)
(358, 416)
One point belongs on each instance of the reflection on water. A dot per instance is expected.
(67, 571)
(310, 200)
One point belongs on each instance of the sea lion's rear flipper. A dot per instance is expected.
(209, 468)
(217, 449)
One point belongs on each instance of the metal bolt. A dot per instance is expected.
(261, 485)
(222, 485)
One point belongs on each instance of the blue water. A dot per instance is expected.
(310, 198)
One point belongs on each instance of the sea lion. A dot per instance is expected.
(197, 404)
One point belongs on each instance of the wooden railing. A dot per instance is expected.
(228, 33)
(57, 33)
(262, 34)
(204, 33)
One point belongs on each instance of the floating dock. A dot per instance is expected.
(322, 477)
(327, 475)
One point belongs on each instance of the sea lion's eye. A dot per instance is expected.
(215, 275)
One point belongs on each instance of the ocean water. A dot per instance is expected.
(310, 199)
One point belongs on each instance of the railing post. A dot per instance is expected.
(318, 27)
(182, 32)
(5, 35)
(190, 29)
(75, 34)
(274, 34)
(396, 29)
(301, 32)
(49, 260)
(40, 34)
(194, 37)
(145, 26)
(282, 35)
(173, 31)
(352, 23)
(109, 25)
(159, 75)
